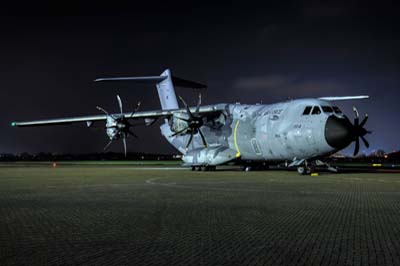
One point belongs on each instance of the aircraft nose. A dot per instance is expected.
(338, 132)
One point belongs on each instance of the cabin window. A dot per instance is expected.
(327, 109)
(307, 110)
(316, 110)
(337, 110)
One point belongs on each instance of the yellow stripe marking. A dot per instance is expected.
(234, 139)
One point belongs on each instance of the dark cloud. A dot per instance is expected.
(247, 52)
(285, 85)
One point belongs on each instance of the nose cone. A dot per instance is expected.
(338, 132)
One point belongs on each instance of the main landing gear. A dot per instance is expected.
(204, 168)
(255, 167)
(306, 169)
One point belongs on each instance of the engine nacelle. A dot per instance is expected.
(177, 124)
(115, 127)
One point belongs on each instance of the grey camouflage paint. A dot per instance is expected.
(276, 132)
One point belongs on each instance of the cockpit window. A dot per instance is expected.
(307, 110)
(327, 109)
(316, 110)
(337, 110)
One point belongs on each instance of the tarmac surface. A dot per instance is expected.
(125, 215)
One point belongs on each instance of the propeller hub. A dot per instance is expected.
(194, 123)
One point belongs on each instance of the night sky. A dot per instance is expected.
(245, 52)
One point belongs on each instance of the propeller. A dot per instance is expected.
(359, 131)
(117, 126)
(194, 123)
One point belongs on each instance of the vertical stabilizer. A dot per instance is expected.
(166, 92)
(164, 84)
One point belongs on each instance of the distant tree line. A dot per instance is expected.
(378, 156)
(43, 156)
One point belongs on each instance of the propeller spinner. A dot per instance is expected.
(340, 132)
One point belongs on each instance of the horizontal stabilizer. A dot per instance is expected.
(187, 83)
(152, 80)
(344, 98)
(139, 80)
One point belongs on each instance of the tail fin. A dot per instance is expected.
(166, 92)
(164, 84)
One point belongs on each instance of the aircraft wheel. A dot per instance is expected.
(302, 170)
(247, 169)
(198, 168)
(193, 168)
(212, 168)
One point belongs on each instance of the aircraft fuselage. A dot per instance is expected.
(275, 132)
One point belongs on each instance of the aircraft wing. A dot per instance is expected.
(153, 115)
(344, 98)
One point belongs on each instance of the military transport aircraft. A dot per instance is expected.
(299, 132)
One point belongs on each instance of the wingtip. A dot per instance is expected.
(13, 124)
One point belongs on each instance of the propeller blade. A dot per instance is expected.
(102, 109)
(356, 147)
(190, 140)
(186, 107)
(356, 120)
(365, 141)
(136, 109)
(183, 101)
(356, 112)
(179, 132)
(120, 104)
(124, 142)
(133, 134)
(364, 120)
(203, 138)
(108, 145)
(198, 105)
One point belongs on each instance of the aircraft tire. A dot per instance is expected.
(302, 170)
(212, 168)
(248, 168)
